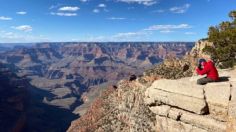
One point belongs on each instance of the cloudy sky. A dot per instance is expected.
(110, 20)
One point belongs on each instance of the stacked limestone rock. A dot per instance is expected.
(175, 68)
(197, 50)
(182, 106)
(172, 68)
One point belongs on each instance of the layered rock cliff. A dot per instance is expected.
(181, 105)
(13, 100)
(165, 99)
(62, 79)
(197, 50)
(164, 105)
(120, 108)
(71, 72)
(22, 108)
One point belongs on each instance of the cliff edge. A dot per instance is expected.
(164, 105)
(182, 105)
(165, 98)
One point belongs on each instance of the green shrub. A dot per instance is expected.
(223, 37)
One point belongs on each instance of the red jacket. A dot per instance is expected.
(210, 70)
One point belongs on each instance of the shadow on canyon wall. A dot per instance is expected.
(22, 108)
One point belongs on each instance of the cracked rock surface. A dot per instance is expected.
(183, 106)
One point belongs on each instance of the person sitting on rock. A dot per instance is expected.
(208, 68)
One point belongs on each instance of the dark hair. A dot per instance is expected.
(201, 60)
(200, 63)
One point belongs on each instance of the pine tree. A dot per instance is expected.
(223, 37)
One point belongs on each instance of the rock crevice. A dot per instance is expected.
(182, 105)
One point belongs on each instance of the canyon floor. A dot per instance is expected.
(61, 80)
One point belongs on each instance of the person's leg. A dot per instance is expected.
(203, 81)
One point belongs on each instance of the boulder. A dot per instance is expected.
(182, 105)
(200, 121)
(203, 121)
(178, 93)
(217, 97)
(180, 86)
(169, 125)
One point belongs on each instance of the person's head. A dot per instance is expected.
(202, 61)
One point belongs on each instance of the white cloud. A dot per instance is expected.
(21, 13)
(11, 37)
(167, 27)
(131, 35)
(26, 28)
(69, 8)
(128, 34)
(123, 36)
(102, 5)
(66, 11)
(96, 10)
(5, 18)
(116, 18)
(166, 31)
(144, 2)
(63, 14)
(181, 9)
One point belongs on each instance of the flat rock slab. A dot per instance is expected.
(180, 86)
(178, 93)
(168, 125)
(231, 125)
(232, 103)
(218, 93)
(160, 110)
(200, 121)
(233, 91)
(187, 103)
(217, 97)
(203, 121)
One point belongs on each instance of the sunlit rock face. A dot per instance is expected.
(63, 79)
(68, 70)
(165, 98)
(182, 105)
(164, 105)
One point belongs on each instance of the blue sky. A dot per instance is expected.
(110, 20)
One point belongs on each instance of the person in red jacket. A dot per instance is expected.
(208, 68)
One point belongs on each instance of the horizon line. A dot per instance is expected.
(93, 42)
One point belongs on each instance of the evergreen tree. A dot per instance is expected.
(223, 37)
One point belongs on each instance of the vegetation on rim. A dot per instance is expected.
(223, 37)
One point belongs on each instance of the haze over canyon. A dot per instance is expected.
(63, 79)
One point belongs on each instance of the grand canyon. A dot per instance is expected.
(117, 66)
(56, 83)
